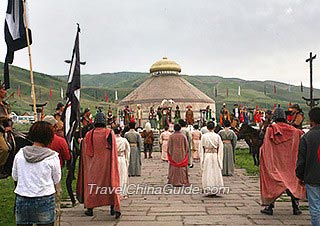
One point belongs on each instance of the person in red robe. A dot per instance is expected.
(278, 157)
(98, 181)
(178, 153)
(189, 116)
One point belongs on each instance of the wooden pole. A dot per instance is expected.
(312, 101)
(311, 85)
(30, 62)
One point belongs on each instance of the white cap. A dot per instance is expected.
(50, 119)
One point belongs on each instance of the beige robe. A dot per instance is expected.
(123, 161)
(211, 160)
(163, 140)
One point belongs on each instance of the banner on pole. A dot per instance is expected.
(15, 33)
(71, 113)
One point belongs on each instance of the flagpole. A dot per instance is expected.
(30, 62)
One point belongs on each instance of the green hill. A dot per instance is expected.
(253, 93)
(95, 87)
(43, 84)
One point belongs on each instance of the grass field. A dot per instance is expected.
(244, 160)
(7, 202)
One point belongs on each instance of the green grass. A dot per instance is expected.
(7, 202)
(244, 160)
(21, 127)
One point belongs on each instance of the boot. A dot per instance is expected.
(150, 157)
(295, 207)
(112, 211)
(118, 214)
(145, 155)
(89, 212)
(268, 210)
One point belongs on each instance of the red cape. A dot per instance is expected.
(278, 157)
(99, 168)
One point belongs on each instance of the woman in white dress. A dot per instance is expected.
(211, 160)
(123, 160)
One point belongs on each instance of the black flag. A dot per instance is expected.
(14, 33)
(71, 113)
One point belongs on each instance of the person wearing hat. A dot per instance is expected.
(297, 116)
(86, 121)
(265, 123)
(224, 114)
(189, 116)
(5, 126)
(99, 169)
(177, 114)
(109, 116)
(58, 116)
(153, 117)
(278, 157)
(59, 145)
(208, 114)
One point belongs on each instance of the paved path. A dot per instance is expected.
(239, 207)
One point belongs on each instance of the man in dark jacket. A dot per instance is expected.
(308, 164)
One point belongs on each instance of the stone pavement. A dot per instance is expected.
(239, 207)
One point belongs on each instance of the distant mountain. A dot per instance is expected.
(252, 93)
(96, 86)
(43, 84)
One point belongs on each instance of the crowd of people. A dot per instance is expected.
(111, 154)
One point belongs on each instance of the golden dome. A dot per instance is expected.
(165, 65)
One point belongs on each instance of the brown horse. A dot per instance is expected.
(15, 140)
(253, 139)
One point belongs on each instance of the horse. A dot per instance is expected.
(15, 141)
(253, 138)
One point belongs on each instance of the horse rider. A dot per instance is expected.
(265, 123)
(297, 116)
(5, 127)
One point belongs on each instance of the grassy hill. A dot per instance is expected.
(253, 93)
(43, 84)
(94, 88)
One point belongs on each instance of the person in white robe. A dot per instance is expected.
(123, 160)
(211, 160)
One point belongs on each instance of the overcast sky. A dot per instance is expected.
(248, 39)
